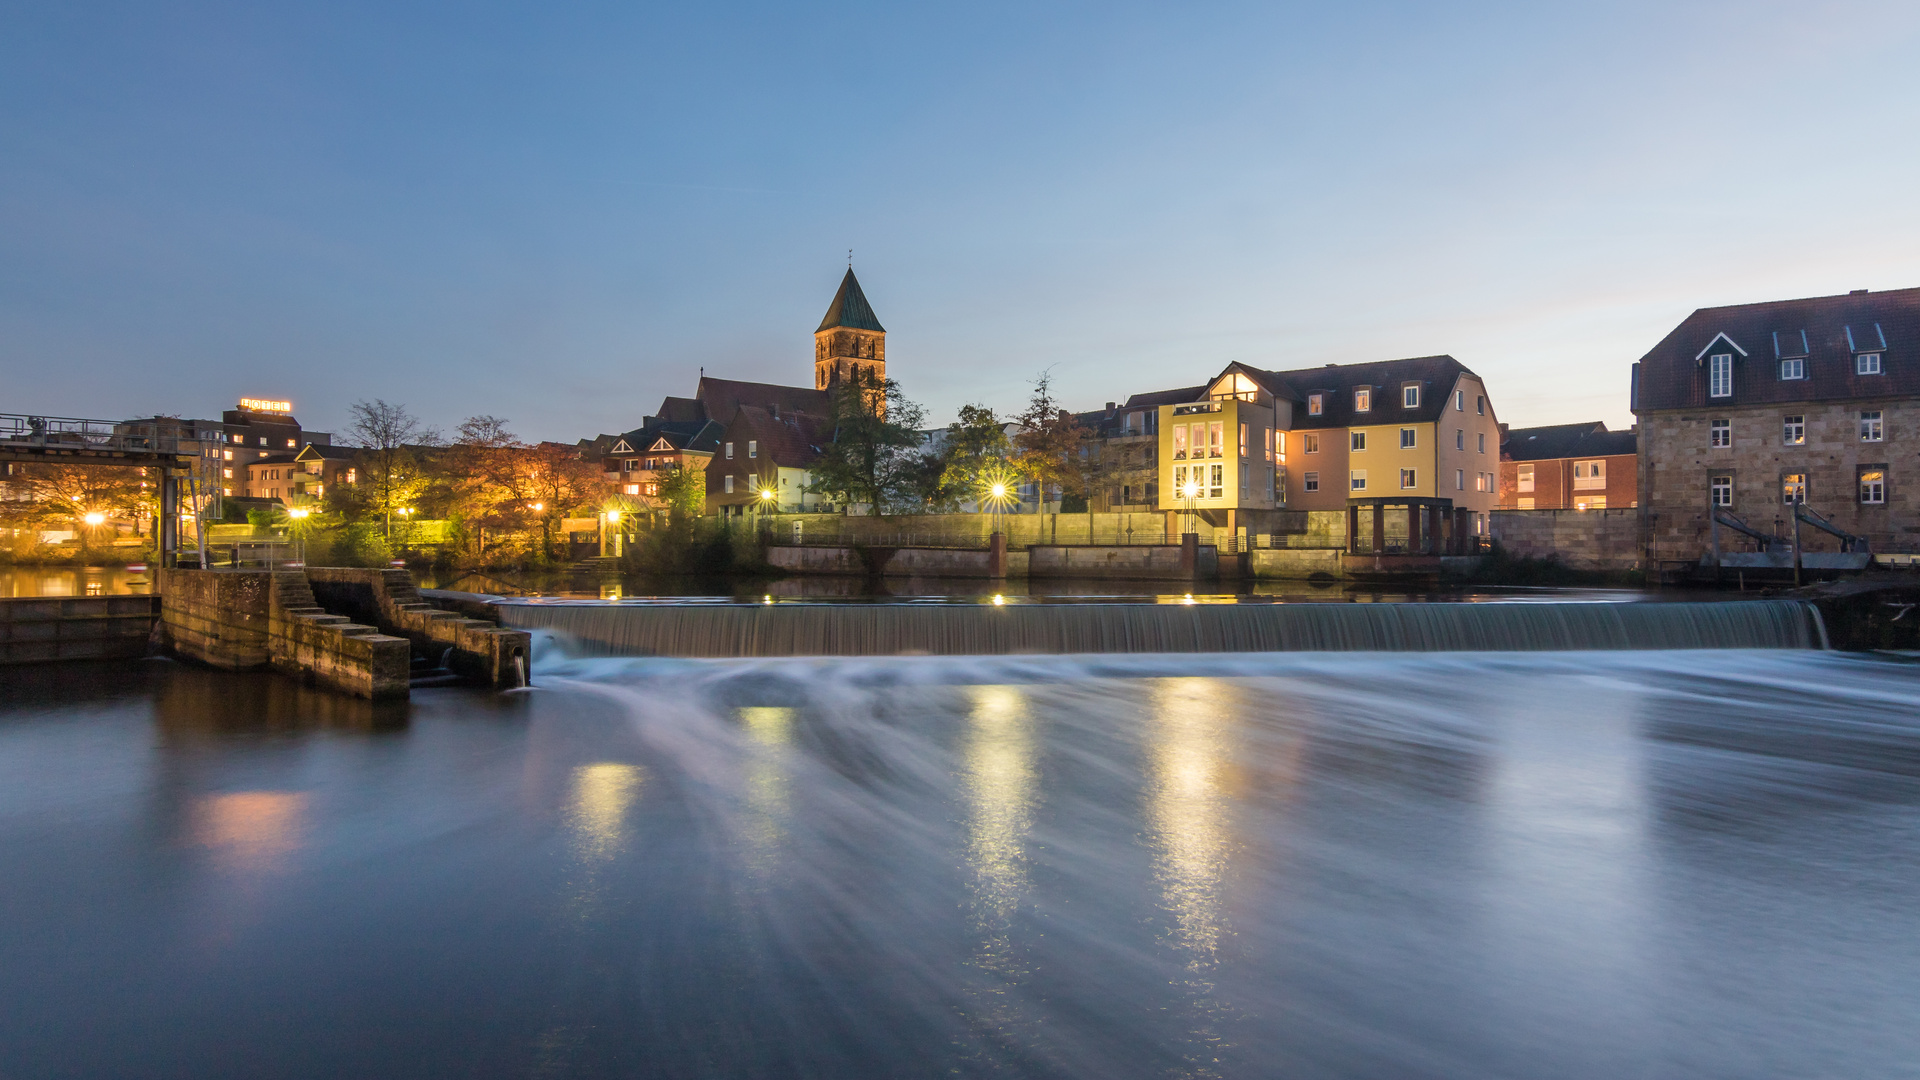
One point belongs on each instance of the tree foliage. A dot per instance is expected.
(875, 451)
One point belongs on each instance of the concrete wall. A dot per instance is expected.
(970, 530)
(241, 620)
(1158, 562)
(41, 629)
(1583, 540)
(388, 599)
(1293, 563)
(893, 562)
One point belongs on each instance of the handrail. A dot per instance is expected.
(1765, 540)
(148, 436)
(1848, 541)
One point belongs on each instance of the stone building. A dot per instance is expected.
(1569, 467)
(1753, 407)
(850, 340)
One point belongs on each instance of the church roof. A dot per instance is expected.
(850, 308)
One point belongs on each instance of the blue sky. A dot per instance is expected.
(559, 213)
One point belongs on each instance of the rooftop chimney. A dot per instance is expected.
(1858, 292)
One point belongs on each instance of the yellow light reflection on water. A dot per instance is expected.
(769, 732)
(1000, 784)
(1187, 800)
(597, 811)
(250, 830)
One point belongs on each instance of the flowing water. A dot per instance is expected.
(1473, 865)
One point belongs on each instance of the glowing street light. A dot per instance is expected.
(95, 518)
(998, 491)
(613, 516)
(537, 507)
(298, 513)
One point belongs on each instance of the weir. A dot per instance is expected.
(739, 630)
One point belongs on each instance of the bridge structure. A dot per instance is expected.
(174, 449)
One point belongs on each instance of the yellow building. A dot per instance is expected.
(1418, 435)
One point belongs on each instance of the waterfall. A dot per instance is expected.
(742, 630)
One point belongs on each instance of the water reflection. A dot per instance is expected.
(252, 832)
(597, 809)
(999, 783)
(769, 731)
(1187, 806)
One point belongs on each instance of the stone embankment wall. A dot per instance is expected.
(242, 620)
(1294, 563)
(1580, 539)
(1156, 562)
(480, 650)
(37, 630)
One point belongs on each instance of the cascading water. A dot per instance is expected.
(745, 630)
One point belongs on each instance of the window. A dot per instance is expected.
(238, 438)
(1410, 397)
(229, 455)
(1873, 484)
(1590, 502)
(1312, 443)
(1459, 479)
(227, 473)
(353, 476)
(1180, 480)
(1312, 481)
(1480, 407)
(263, 440)
(1219, 485)
(1870, 430)
(1482, 482)
(1523, 476)
(1313, 404)
(1589, 475)
(727, 483)
(1867, 364)
(1357, 480)
(1407, 438)
(289, 444)
(1720, 433)
(753, 448)
(1363, 401)
(652, 489)
(1180, 442)
(1793, 487)
(1269, 440)
(1215, 443)
(1243, 480)
(1408, 479)
(1483, 442)
(1525, 502)
(1459, 438)
(1243, 440)
(729, 458)
(1280, 444)
(1459, 401)
(1359, 441)
(1793, 430)
(1720, 375)
(1721, 488)
(633, 489)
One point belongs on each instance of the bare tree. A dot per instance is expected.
(389, 434)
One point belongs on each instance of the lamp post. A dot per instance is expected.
(769, 502)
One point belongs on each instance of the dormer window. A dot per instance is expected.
(1867, 363)
(1313, 404)
(1795, 368)
(1410, 396)
(1720, 375)
(1363, 401)
(1789, 343)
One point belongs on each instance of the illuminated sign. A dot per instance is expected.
(254, 404)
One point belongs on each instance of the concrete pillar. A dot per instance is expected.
(1353, 529)
(1189, 554)
(167, 542)
(1379, 528)
(997, 556)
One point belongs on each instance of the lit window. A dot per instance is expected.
(1363, 401)
(1407, 438)
(1312, 481)
(229, 455)
(1793, 487)
(1459, 401)
(729, 458)
(1410, 397)
(1280, 444)
(1219, 485)
(263, 440)
(1357, 480)
(1243, 441)
(753, 448)
(1359, 441)
(239, 438)
(1408, 479)
(226, 474)
(1795, 368)
(633, 489)
(1793, 430)
(1313, 404)
(1867, 364)
(353, 476)
(1873, 485)
(1523, 476)
(1720, 433)
(1180, 442)
(1459, 479)
(289, 444)
(1311, 443)
(1870, 430)
(1216, 441)
(1720, 375)
(1722, 489)
(1525, 502)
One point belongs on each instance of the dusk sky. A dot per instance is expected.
(559, 213)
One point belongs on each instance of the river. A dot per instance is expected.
(1658, 864)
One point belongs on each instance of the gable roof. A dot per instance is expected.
(1591, 439)
(1435, 375)
(791, 440)
(326, 452)
(850, 308)
(720, 397)
(688, 436)
(1673, 375)
(1158, 398)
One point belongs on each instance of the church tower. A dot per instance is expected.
(850, 339)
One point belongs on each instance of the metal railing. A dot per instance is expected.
(137, 436)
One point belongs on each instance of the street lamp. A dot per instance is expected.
(95, 518)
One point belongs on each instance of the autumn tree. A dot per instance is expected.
(392, 439)
(875, 447)
(1050, 445)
